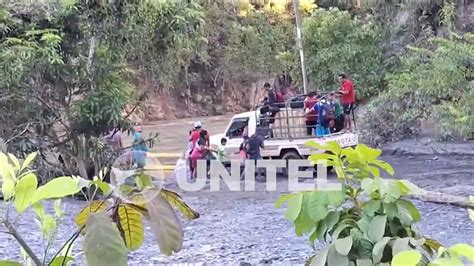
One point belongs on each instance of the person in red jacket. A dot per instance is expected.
(348, 99)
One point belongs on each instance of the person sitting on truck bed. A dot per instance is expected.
(322, 125)
(333, 99)
(311, 117)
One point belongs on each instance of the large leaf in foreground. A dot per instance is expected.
(165, 225)
(131, 226)
(102, 242)
(57, 188)
(176, 201)
(25, 188)
(95, 206)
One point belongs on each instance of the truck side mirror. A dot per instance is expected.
(223, 141)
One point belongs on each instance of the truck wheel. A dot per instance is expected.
(290, 155)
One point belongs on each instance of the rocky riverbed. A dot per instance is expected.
(237, 227)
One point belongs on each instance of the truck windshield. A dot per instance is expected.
(236, 129)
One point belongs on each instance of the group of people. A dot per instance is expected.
(199, 149)
(332, 112)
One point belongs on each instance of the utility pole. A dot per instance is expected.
(299, 43)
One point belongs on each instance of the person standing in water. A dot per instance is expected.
(139, 148)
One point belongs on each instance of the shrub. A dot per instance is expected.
(367, 222)
(112, 226)
(432, 82)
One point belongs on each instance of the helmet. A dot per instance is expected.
(197, 124)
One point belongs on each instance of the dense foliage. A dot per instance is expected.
(432, 84)
(337, 43)
(111, 226)
(367, 222)
(69, 68)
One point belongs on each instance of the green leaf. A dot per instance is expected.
(377, 228)
(24, 191)
(318, 206)
(321, 157)
(93, 207)
(404, 189)
(369, 186)
(177, 202)
(407, 258)
(304, 224)
(413, 189)
(350, 154)
(332, 146)
(366, 153)
(58, 211)
(364, 224)
(417, 242)
(15, 161)
(103, 244)
(8, 189)
(447, 262)
(377, 252)
(320, 259)
(365, 262)
(385, 166)
(7, 177)
(339, 230)
(58, 261)
(335, 198)
(28, 160)
(407, 212)
(400, 244)
(432, 243)
(332, 219)
(334, 258)
(57, 188)
(143, 180)
(9, 263)
(391, 210)
(344, 245)
(463, 250)
(321, 230)
(103, 186)
(164, 224)
(371, 207)
(130, 226)
(283, 199)
(294, 207)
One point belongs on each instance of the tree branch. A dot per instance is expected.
(22, 242)
(19, 134)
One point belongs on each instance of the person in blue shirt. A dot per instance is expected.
(322, 126)
(139, 149)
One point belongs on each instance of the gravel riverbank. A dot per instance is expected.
(239, 227)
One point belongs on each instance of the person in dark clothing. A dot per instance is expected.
(271, 94)
(254, 144)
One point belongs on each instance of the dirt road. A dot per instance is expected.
(237, 227)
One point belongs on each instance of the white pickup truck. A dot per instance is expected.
(287, 140)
